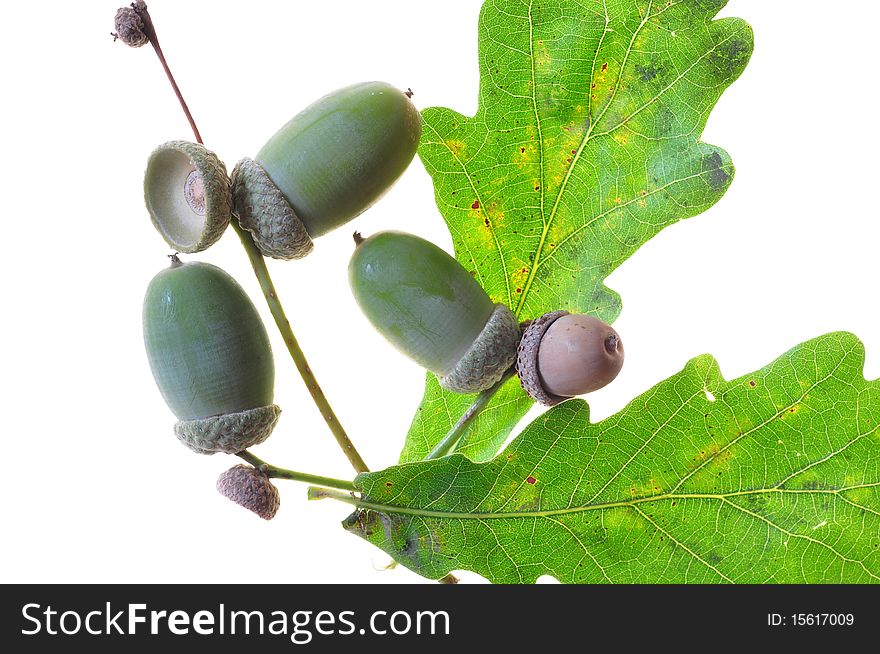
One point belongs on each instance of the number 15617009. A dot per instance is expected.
(810, 620)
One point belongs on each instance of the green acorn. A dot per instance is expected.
(211, 358)
(328, 164)
(432, 310)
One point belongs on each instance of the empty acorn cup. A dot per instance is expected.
(188, 195)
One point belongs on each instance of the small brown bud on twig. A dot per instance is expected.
(250, 488)
(130, 25)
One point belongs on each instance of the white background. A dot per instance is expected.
(95, 487)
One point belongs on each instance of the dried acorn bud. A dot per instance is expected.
(130, 25)
(432, 310)
(250, 488)
(211, 358)
(188, 195)
(562, 355)
(328, 164)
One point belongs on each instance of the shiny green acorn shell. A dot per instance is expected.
(419, 297)
(207, 347)
(339, 155)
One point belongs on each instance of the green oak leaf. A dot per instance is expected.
(586, 143)
(772, 477)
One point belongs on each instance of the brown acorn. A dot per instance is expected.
(563, 355)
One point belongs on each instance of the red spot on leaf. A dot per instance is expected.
(476, 204)
(604, 67)
(530, 480)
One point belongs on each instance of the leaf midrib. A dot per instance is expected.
(563, 185)
(537, 261)
(603, 506)
(634, 504)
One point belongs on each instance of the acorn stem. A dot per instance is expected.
(258, 263)
(262, 273)
(150, 32)
(282, 473)
(454, 436)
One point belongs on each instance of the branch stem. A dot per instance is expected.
(258, 263)
(283, 473)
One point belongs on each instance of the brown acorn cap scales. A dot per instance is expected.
(250, 488)
(492, 353)
(527, 358)
(264, 211)
(230, 433)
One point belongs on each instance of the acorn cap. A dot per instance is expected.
(250, 488)
(527, 358)
(230, 433)
(489, 357)
(264, 211)
(187, 192)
